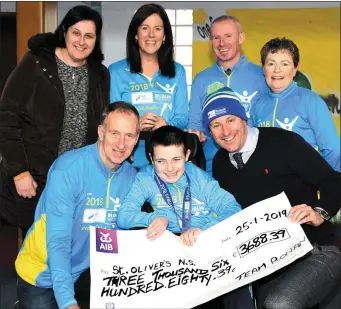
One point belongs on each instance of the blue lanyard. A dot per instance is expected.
(185, 221)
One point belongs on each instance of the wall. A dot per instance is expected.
(117, 16)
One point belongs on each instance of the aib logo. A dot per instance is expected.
(106, 241)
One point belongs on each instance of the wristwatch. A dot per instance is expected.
(323, 213)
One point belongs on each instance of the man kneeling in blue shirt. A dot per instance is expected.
(84, 187)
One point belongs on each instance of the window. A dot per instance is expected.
(182, 27)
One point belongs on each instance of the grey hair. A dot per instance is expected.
(226, 18)
(121, 107)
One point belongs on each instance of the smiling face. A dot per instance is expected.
(80, 41)
(226, 40)
(150, 35)
(117, 138)
(169, 162)
(279, 70)
(229, 132)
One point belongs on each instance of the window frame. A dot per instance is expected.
(175, 25)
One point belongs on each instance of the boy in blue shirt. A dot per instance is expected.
(185, 199)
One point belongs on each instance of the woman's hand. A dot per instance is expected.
(156, 228)
(73, 307)
(190, 236)
(148, 121)
(26, 187)
(305, 214)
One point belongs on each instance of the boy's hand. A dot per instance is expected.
(73, 307)
(190, 237)
(156, 228)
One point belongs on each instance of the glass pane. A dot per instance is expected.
(183, 54)
(184, 17)
(188, 70)
(171, 16)
(184, 35)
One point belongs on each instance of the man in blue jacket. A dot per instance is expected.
(232, 69)
(84, 187)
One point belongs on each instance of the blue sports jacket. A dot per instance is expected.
(163, 96)
(210, 203)
(80, 191)
(302, 111)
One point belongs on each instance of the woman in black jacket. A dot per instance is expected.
(52, 102)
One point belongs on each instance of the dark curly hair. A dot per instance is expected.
(277, 44)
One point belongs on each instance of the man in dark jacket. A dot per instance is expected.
(51, 103)
(257, 163)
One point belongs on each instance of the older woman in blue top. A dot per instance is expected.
(149, 78)
(291, 107)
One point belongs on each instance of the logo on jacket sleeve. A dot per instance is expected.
(106, 241)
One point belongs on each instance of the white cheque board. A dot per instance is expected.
(130, 271)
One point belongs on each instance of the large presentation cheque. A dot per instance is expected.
(130, 271)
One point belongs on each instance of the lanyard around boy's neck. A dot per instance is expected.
(185, 221)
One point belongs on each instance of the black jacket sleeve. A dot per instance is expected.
(16, 94)
(308, 164)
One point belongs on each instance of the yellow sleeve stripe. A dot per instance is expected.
(31, 260)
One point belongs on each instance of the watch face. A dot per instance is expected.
(324, 214)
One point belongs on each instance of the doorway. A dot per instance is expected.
(8, 46)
